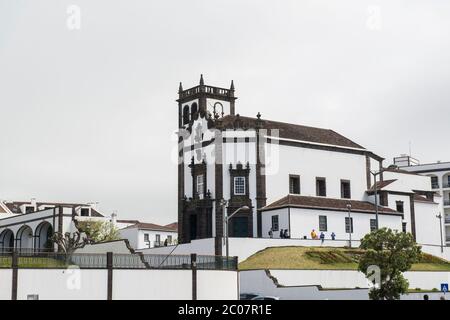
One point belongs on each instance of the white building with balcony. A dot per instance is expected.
(440, 182)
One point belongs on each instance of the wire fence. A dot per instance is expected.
(41, 259)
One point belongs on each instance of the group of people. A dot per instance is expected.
(314, 236)
(284, 233)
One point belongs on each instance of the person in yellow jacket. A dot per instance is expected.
(313, 234)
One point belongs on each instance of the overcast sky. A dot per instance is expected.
(88, 114)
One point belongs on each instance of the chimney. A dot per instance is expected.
(33, 202)
(114, 217)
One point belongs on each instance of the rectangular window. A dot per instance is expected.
(200, 186)
(348, 225)
(275, 225)
(345, 189)
(294, 184)
(29, 209)
(373, 225)
(239, 185)
(321, 187)
(383, 199)
(400, 207)
(157, 240)
(323, 223)
(146, 237)
(84, 212)
(404, 227)
(434, 183)
(169, 239)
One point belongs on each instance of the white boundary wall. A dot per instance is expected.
(5, 284)
(298, 284)
(90, 284)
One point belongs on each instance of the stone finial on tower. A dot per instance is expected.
(202, 83)
(180, 88)
(232, 86)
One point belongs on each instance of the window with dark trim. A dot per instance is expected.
(384, 199)
(157, 240)
(373, 225)
(239, 185)
(294, 184)
(186, 114)
(29, 209)
(146, 237)
(434, 182)
(348, 225)
(321, 187)
(323, 225)
(345, 189)
(404, 227)
(84, 212)
(275, 224)
(400, 206)
(200, 185)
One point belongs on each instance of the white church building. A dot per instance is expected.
(278, 175)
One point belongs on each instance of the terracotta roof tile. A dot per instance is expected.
(327, 203)
(382, 184)
(151, 226)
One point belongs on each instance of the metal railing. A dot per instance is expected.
(434, 186)
(447, 219)
(30, 259)
(446, 185)
(446, 202)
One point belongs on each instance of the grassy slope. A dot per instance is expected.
(322, 258)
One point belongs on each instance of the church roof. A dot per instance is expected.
(297, 201)
(291, 131)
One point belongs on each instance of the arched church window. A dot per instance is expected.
(194, 108)
(186, 115)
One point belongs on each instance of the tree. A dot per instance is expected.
(393, 253)
(99, 231)
(69, 242)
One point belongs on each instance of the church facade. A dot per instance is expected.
(279, 176)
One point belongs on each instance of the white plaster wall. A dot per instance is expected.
(5, 284)
(392, 204)
(152, 285)
(303, 221)
(266, 222)
(427, 225)
(56, 284)
(113, 246)
(407, 182)
(131, 235)
(258, 282)
(225, 285)
(309, 164)
(200, 246)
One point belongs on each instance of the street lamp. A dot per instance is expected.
(375, 174)
(439, 216)
(350, 225)
(226, 218)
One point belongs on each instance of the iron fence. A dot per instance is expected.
(40, 259)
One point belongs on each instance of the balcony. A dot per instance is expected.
(434, 186)
(447, 219)
(446, 185)
(447, 203)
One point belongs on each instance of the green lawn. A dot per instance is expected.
(33, 262)
(324, 258)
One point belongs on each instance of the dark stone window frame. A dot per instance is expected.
(198, 169)
(275, 222)
(240, 171)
